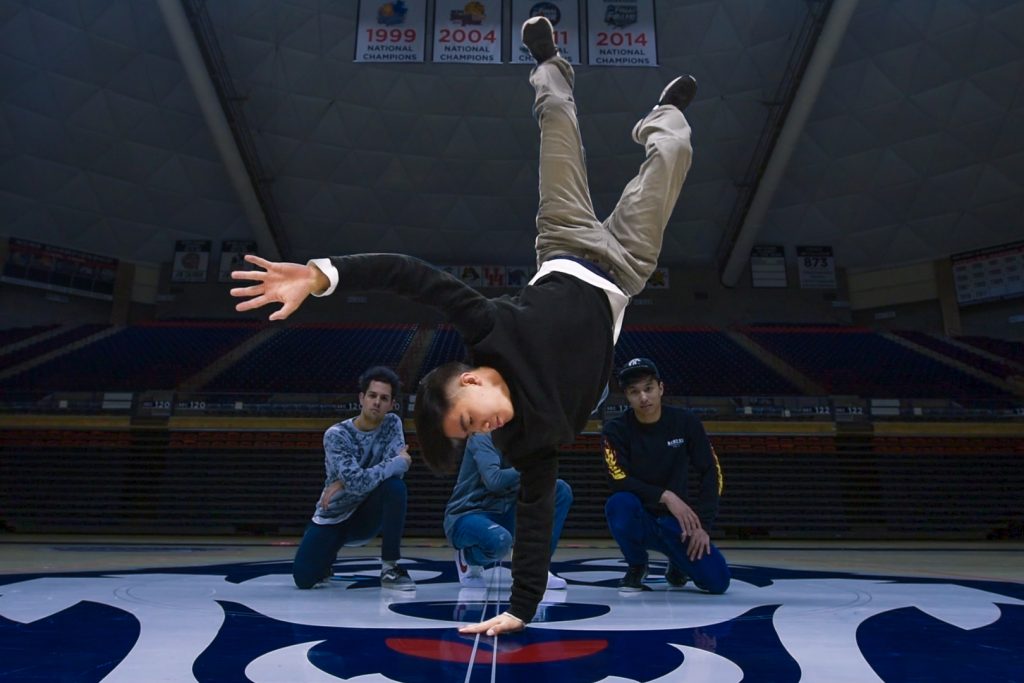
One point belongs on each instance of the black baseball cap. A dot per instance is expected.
(638, 367)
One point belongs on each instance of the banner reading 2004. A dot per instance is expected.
(468, 31)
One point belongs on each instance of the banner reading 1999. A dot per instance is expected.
(391, 31)
(467, 31)
(564, 16)
(622, 33)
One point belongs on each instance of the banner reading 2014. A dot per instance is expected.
(467, 31)
(622, 33)
(391, 31)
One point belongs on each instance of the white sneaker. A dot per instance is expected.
(470, 575)
(556, 583)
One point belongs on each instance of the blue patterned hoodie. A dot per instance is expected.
(362, 460)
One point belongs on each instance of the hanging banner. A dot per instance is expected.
(191, 261)
(564, 15)
(517, 277)
(471, 275)
(467, 31)
(502, 277)
(659, 279)
(232, 257)
(768, 265)
(495, 276)
(621, 33)
(57, 269)
(817, 267)
(391, 31)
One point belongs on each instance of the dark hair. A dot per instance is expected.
(379, 373)
(441, 453)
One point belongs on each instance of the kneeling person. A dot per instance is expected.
(364, 493)
(648, 451)
(480, 517)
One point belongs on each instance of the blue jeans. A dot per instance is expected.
(486, 537)
(636, 531)
(383, 512)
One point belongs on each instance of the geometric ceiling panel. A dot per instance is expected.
(919, 119)
(913, 150)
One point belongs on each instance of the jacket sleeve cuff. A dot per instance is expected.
(328, 269)
(522, 621)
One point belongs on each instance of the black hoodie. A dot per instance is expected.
(552, 344)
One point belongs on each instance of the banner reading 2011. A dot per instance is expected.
(391, 31)
(622, 33)
(564, 16)
(467, 31)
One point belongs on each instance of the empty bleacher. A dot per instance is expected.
(133, 358)
(1010, 350)
(266, 482)
(257, 476)
(314, 359)
(446, 346)
(47, 345)
(14, 335)
(327, 359)
(701, 362)
(957, 353)
(863, 363)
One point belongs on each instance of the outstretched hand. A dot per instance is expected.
(285, 283)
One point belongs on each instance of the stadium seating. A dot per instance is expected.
(1010, 350)
(860, 362)
(315, 359)
(134, 358)
(992, 367)
(701, 362)
(42, 347)
(446, 346)
(14, 335)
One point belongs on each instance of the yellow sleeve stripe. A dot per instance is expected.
(718, 470)
(611, 461)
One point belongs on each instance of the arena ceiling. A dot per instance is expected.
(913, 150)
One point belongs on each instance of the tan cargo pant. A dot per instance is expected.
(628, 242)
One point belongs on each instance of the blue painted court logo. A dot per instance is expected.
(248, 623)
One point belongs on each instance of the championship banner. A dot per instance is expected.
(768, 266)
(989, 274)
(495, 276)
(564, 15)
(471, 275)
(467, 31)
(391, 31)
(659, 279)
(817, 267)
(232, 257)
(501, 277)
(34, 264)
(518, 277)
(191, 261)
(622, 33)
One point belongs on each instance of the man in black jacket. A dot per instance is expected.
(649, 451)
(540, 359)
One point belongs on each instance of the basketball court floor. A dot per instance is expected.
(140, 610)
